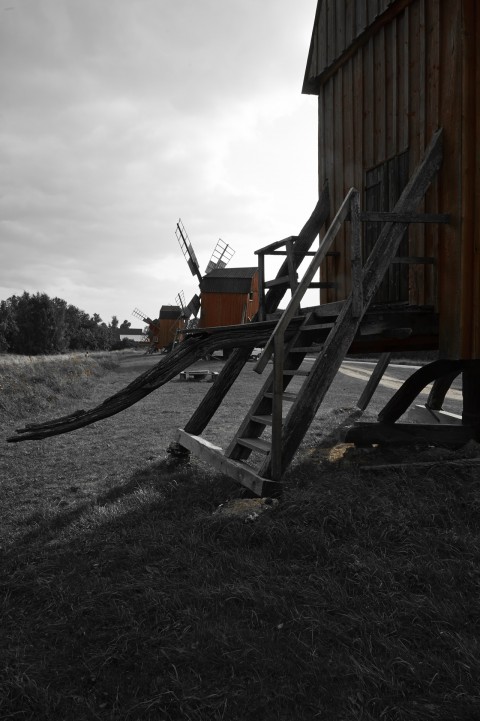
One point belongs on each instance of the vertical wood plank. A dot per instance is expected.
(432, 121)
(356, 256)
(277, 405)
(380, 97)
(343, 262)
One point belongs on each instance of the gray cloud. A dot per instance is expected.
(119, 117)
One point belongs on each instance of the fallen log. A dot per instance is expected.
(193, 348)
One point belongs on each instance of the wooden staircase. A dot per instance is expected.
(278, 419)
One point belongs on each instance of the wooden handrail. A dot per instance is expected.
(293, 306)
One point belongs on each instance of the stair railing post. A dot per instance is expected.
(261, 287)
(277, 406)
(356, 256)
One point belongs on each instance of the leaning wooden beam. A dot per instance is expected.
(373, 381)
(440, 388)
(187, 352)
(323, 372)
(406, 394)
(232, 368)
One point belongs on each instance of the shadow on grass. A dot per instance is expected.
(355, 599)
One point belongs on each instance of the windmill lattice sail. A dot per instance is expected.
(187, 250)
(221, 256)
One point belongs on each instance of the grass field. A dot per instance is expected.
(124, 596)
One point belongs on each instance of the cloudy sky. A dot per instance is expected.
(118, 117)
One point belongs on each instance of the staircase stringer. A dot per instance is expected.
(340, 338)
(262, 404)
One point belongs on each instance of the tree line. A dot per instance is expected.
(35, 324)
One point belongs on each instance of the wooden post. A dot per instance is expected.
(277, 406)
(440, 388)
(261, 287)
(373, 381)
(471, 394)
(356, 257)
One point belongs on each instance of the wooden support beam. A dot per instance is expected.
(440, 388)
(471, 393)
(390, 434)
(406, 394)
(373, 381)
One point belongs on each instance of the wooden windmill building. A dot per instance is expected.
(229, 296)
(388, 74)
(170, 321)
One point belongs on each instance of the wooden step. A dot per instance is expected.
(317, 326)
(289, 397)
(323, 284)
(307, 349)
(284, 280)
(266, 420)
(256, 444)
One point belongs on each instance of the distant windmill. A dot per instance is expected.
(162, 331)
(221, 256)
(228, 296)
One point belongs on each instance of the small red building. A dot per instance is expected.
(229, 296)
(164, 330)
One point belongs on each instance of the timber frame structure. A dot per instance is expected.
(329, 331)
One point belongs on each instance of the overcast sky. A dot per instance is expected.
(118, 117)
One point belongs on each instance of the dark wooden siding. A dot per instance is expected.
(337, 25)
(414, 70)
(165, 331)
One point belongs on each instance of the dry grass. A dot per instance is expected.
(356, 597)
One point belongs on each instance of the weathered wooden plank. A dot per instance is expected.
(356, 257)
(243, 337)
(373, 381)
(451, 435)
(213, 455)
(256, 444)
(277, 406)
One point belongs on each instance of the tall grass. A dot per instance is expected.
(32, 383)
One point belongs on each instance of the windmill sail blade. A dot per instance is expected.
(187, 250)
(221, 256)
(193, 307)
(137, 313)
(180, 298)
